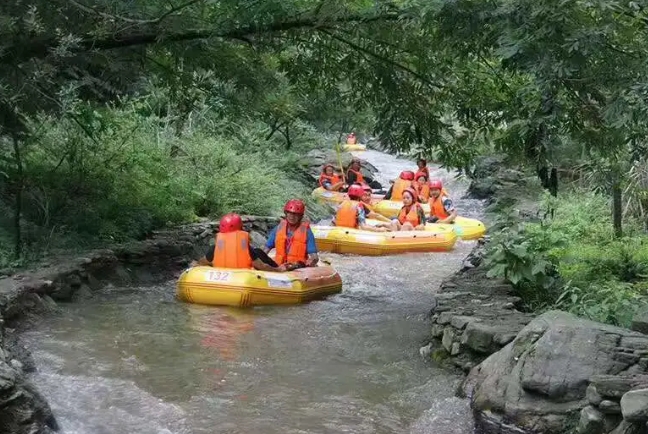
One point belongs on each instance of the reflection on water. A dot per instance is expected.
(134, 360)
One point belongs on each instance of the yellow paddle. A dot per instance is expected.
(339, 155)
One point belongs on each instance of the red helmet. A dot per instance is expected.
(407, 175)
(295, 206)
(419, 174)
(436, 184)
(230, 223)
(412, 192)
(355, 191)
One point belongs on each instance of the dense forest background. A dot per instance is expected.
(118, 117)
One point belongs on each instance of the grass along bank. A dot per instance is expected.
(568, 258)
(90, 177)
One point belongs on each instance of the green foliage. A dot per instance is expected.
(572, 261)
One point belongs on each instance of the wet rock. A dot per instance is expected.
(626, 427)
(615, 386)
(592, 395)
(591, 421)
(634, 405)
(479, 337)
(610, 407)
(540, 379)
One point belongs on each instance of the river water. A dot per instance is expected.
(135, 360)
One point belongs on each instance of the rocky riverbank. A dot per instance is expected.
(22, 408)
(554, 373)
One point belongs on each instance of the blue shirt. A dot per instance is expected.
(311, 247)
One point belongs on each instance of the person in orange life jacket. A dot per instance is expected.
(329, 180)
(232, 248)
(411, 216)
(442, 209)
(353, 214)
(422, 167)
(370, 213)
(354, 173)
(422, 187)
(404, 181)
(293, 239)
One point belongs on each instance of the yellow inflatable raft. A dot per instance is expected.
(246, 287)
(359, 242)
(465, 228)
(391, 208)
(354, 147)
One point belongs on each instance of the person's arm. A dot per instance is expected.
(374, 215)
(362, 222)
(450, 209)
(421, 217)
(272, 236)
(205, 260)
(311, 249)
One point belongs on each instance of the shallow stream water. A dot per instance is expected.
(135, 360)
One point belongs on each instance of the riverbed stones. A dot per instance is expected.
(634, 405)
(556, 366)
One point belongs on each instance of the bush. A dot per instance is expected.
(572, 261)
(93, 176)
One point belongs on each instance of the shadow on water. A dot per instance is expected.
(134, 360)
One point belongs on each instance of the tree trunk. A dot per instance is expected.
(617, 210)
(18, 198)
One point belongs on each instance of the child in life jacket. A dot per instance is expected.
(422, 187)
(442, 209)
(411, 216)
(329, 180)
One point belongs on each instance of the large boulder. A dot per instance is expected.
(539, 381)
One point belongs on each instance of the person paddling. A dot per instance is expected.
(329, 180)
(442, 209)
(353, 214)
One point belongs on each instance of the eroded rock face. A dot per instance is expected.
(539, 382)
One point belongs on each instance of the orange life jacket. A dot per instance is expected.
(359, 177)
(423, 190)
(232, 250)
(436, 207)
(410, 215)
(333, 179)
(293, 249)
(347, 214)
(399, 187)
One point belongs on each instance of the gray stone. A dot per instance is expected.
(502, 339)
(592, 395)
(634, 405)
(479, 337)
(615, 386)
(456, 348)
(643, 364)
(437, 330)
(539, 380)
(257, 239)
(460, 322)
(640, 321)
(445, 318)
(591, 421)
(448, 338)
(626, 427)
(609, 407)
